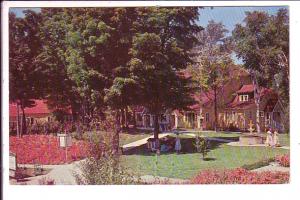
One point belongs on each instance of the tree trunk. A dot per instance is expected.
(257, 118)
(122, 119)
(116, 133)
(18, 120)
(24, 127)
(134, 120)
(215, 109)
(156, 126)
(126, 117)
(257, 102)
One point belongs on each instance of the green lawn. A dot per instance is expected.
(189, 163)
(284, 139)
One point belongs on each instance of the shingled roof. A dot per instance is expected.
(236, 104)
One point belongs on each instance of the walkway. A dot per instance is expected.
(142, 141)
(149, 179)
(61, 174)
(274, 167)
(237, 144)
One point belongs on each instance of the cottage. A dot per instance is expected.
(38, 113)
(238, 113)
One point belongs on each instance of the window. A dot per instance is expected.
(243, 98)
(207, 117)
(139, 117)
(261, 113)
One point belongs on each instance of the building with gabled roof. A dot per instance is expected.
(235, 109)
(40, 112)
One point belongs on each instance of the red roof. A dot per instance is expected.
(246, 89)
(39, 108)
(250, 88)
(247, 104)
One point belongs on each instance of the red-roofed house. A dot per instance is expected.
(201, 115)
(38, 113)
(242, 110)
(235, 109)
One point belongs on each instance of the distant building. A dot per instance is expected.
(38, 113)
(235, 109)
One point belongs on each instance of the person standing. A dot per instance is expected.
(177, 144)
(269, 140)
(275, 138)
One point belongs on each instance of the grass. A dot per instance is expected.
(189, 163)
(284, 139)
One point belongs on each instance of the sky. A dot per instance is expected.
(229, 16)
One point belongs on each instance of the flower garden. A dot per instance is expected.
(240, 176)
(45, 149)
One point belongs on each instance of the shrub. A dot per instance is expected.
(201, 145)
(283, 160)
(103, 166)
(240, 176)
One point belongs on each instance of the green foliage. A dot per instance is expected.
(103, 167)
(263, 45)
(201, 144)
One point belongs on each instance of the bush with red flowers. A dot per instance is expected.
(283, 160)
(240, 176)
(45, 149)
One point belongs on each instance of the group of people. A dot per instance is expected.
(272, 138)
(166, 144)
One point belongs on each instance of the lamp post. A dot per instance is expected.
(65, 141)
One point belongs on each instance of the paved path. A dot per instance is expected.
(273, 166)
(142, 141)
(237, 144)
(162, 180)
(61, 174)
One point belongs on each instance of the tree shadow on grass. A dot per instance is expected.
(209, 159)
(187, 145)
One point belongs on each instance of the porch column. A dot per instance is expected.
(151, 120)
(143, 119)
(176, 121)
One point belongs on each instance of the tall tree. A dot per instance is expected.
(24, 46)
(59, 89)
(160, 50)
(212, 62)
(262, 43)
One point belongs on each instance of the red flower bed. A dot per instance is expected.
(43, 149)
(240, 176)
(283, 160)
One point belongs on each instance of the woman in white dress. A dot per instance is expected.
(177, 145)
(269, 140)
(276, 139)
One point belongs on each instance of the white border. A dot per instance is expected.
(287, 191)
